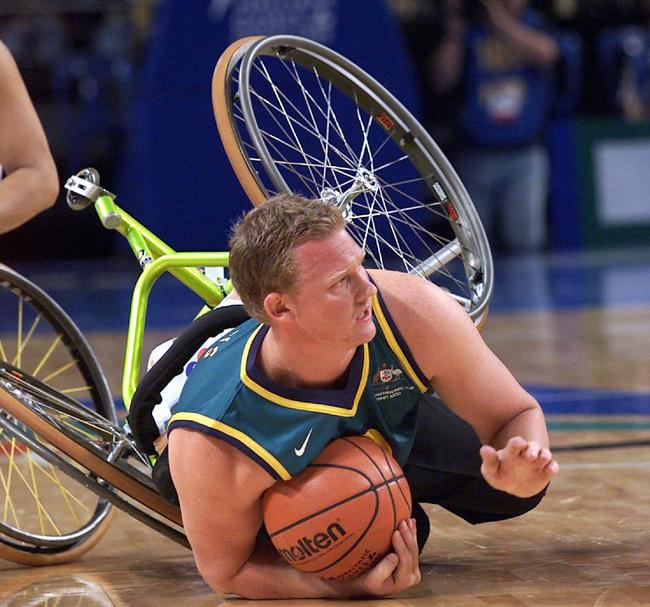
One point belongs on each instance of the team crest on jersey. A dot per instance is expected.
(386, 375)
(389, 382)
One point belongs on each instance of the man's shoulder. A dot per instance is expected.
(413, 302)
(392, 277)
(428, 319)
(405, 289)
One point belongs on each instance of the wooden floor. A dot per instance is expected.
(588, 543)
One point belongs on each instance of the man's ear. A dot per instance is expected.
(276, 307)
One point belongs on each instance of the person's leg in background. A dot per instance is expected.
(477, 172)
(521, 211)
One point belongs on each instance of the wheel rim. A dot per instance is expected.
(308, 121)
(41, 508)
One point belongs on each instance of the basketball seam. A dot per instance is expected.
(399, 487)
(381, 473)
(372, 488)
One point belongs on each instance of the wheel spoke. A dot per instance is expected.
(307, 121)
(44, 513)
(19, 332)
(24, 342)
(75, 389)
(288, 141)
(6, 483)
(60, 370)
(46, 356)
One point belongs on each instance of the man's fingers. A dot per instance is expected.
(490, 458)
(516, 446)
(519, 453)
(406, 547)
(405, 542)
(412, 539)
(551, 468)
(386, 567)
(544, 457)
(399, 569)
(532, 451)
(543, 460)
(402, 544)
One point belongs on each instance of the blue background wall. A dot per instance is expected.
(176, 177)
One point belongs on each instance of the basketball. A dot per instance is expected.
(336, 518)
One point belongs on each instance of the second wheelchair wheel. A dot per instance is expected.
(45, 516)
(86, 447)
(295, 116)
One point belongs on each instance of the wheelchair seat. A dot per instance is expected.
(148, 393)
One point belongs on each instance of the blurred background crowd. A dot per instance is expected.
(542, 106)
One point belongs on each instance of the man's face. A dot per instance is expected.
(332, 300)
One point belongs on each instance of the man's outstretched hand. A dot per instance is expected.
(521, 468)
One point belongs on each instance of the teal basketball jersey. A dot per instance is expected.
(285, 428)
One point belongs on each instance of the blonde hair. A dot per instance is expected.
(261, 243)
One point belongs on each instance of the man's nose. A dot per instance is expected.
(367, 289)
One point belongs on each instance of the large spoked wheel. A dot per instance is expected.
(294, 116)
(87, 447)
(45, 517)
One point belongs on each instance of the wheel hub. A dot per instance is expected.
(364, 183)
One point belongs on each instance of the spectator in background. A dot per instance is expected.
(499, 58)
(422, 25)
(30, 183)
(632, 93)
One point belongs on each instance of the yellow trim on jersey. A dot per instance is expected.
(377, 437)
(237, 435)
(302, 405)
(394, 346)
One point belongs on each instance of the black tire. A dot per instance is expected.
(295, 116)
(45, 518)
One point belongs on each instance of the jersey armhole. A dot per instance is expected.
(234, 437)
(397, 344)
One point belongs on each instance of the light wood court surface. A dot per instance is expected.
(587, 544)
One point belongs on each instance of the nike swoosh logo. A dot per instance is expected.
(301, 451)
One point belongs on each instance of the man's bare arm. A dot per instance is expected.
(473, 382)
(220, 492)
(31, 183)
(446, 63)
(536, 46)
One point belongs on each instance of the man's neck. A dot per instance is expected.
(303, 366)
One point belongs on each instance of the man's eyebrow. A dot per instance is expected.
(340, 273)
